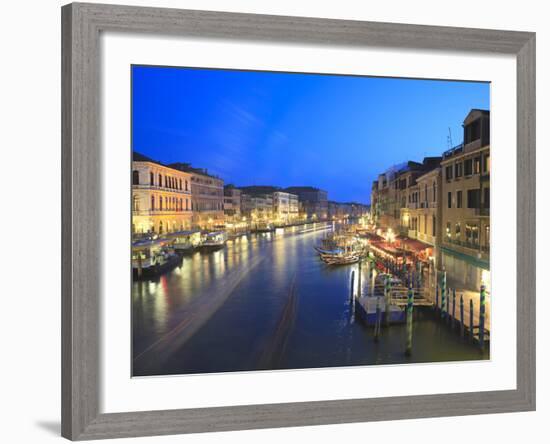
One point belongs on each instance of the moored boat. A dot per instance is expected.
(152, 258)
(186, 241)
(344, 259)
(213, 240)
(340, 249)
(264, 227)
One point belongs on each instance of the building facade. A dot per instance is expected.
(161, 197)
(232, 202)
(313, 202)
(466, 204)
(258, 207)
(445, 202)
(424, 211)
(207, 196)
(285, 207)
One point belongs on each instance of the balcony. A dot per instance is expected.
(453, 151)
(468, 244)
(146, 186)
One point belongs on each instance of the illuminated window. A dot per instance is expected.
(135, 203)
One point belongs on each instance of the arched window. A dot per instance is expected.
(181, 204)
(160, 203)
(160, 226)
(151, 179)
(135, 177)
(180, 184)
(152, 203)
(160, 180)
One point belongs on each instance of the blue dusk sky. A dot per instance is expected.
(329, 131)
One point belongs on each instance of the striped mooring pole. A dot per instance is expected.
(482, 318)
(436, 297)
(408, 349)
(443, 293)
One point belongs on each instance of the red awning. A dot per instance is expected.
(413, 245)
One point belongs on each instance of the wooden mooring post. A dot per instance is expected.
(359, 280)
(352, 290)
(408, 348)
(387, 293)
(472, 320)
(482, 318)
(453, 316)
(462, 316)
(443, 293)
(436, 297)
(378, 320)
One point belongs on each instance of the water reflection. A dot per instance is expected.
(266, 301)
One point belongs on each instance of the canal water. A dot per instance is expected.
(266, 301)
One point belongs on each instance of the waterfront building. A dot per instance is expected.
(285, 207)
(232, 202)
(313, 201)
(382, 200)
(465, 223)
(337, 210)
(413, 197)
(207, 196)
(396, 193)
(161, 197)
(423, 212)
(257, 207)
(344, 210)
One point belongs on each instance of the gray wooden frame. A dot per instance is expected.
(81, 230)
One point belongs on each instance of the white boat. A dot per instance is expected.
(152, 257)
(213, 240)
(185, 241)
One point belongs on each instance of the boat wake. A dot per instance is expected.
(193, 317)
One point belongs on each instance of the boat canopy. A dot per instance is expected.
(215, 233)
(183, 233)
(148, 243)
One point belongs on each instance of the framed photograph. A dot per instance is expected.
(278, 221)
